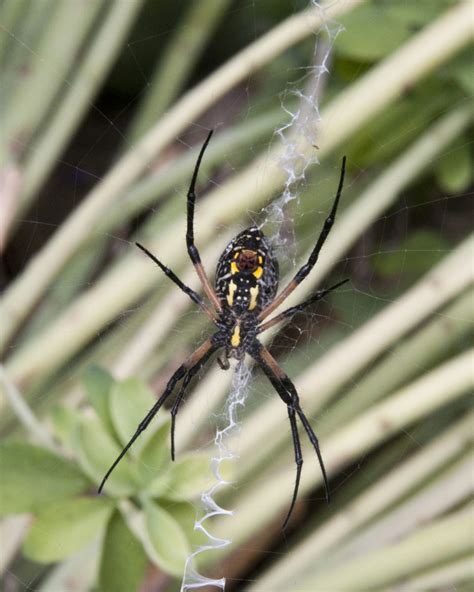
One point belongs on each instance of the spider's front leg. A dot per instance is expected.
(304, 270)
(287, 391)
(192, 249)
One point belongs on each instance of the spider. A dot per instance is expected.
(243, 297)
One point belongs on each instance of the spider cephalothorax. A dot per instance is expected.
(244, 296)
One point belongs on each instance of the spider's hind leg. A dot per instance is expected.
(298, 461)
(287, 391)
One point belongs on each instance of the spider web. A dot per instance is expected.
(300, 101)
(294, 163)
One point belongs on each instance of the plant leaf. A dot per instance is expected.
(98, 383)
(460, 69)
(65, 527)
(155, 454)
(167, 538)
(185, 514)
(65, 421)
(188, 477)
(123, 562)
(454, 170)
(421, 250)
(412, 13)
(369, 33)
(33, 476)
(96, 451)
(130, 401)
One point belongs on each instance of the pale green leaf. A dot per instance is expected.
(96, 451)
(130, 401)
(65, 421)
(98, 383)
(32, 476)
(123, 562)
(185, 514)
(154, 457)
(189, 477)
(66, 527)
(167, 537)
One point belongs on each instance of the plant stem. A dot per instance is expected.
(10, 13)
(27, 33)
(377, 498)
(147, 191)
(421, 351)
(446, 539)
(26, 291)
(78, 96)
(38, 433)
(443, 577)
(13, 530)
(67, 29)
(448, 490)
(429, 393)
(176, 62)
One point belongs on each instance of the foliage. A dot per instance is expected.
(62, 494)
(383, 366)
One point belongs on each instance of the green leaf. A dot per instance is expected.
(33, 476)
(154, 457)
(418, 253)
(454, 170)
(123, 562)
(66, 527)
(167, 538)
(65, 421)
(415, 14)
(189, 477)
(370, 34)
(460, 68)
(185, 514)
(130, 401)
(96, 451)
(378, 142)
(98, 383)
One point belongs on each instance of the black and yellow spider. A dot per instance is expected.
(244, 295)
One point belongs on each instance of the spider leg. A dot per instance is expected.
(289, 312)
(298, 461)
(192, 249)
(174, 278)
(182, 391)
(287, 391)
(202, 353)
(308, 266)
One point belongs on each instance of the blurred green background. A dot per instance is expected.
(104, 106)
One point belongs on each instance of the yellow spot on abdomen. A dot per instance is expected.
(233, 268)
(258, 272)
(230, 295)
(253, 297)
(235, 339)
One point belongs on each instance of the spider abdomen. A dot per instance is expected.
(247, 273)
